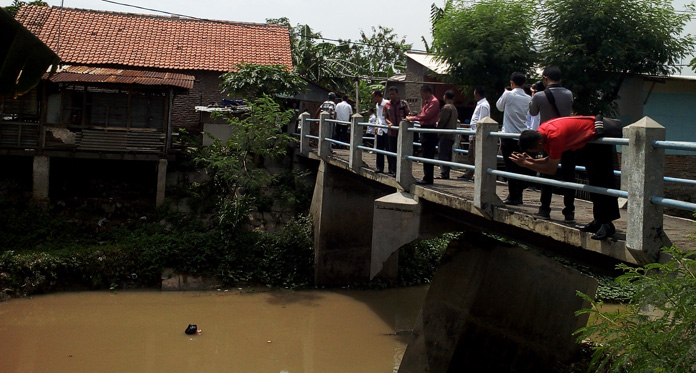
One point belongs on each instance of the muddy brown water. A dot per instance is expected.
(242, 331)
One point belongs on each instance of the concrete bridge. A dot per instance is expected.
(362, 218)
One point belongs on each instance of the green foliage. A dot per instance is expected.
(657, 330)
(253, 81)
(135, 254)
(238, 177)
(419, 261)
(485, 41)
(598, 43)
(381, 53)
(16, 4)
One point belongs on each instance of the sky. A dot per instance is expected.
(335, 20)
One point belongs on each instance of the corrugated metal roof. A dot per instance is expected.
(89, 74)
(429, 61)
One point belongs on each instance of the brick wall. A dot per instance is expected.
(683, 167)
(206, 89)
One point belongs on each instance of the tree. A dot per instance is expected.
(381, 53)
(597, 44)
(236, 169)
(486, 41)
(335, 65)
(16, 4)
(252, 81)
(663, 340)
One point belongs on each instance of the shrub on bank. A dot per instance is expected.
(74, 255)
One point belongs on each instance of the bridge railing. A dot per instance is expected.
(642, 169)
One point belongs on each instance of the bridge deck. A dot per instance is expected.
(458, 194)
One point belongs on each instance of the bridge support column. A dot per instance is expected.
(496, 308)
(396, 223)
(644, 170)
(304, 131)
(485, 197)
(356, 135)
(161, 181)
(342, 208)
(40, 177)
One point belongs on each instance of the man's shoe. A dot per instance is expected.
(379, 171)
(604, 232)
(592, 226)
(442, 177)
(512, 202)
(569, 218)
(546, 215)
(424, 182)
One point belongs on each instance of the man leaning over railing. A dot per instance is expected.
(575, 133)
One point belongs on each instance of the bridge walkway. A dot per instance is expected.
(459, 194)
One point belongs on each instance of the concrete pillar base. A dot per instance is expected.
(496, 308)
(161, 181)
(395, 223)
(40, 178)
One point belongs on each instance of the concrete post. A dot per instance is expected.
(395, 223)
(161, 182)
(40, 178)
(304, 131)
(645, 166)
(356, 134)
(485, 197)
(404, 166)
(324, 149)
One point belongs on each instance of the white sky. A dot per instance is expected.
(334, 19)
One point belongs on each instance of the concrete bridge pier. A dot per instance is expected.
(40, 178)
(497, 308)
(342, 209)
(396, 222)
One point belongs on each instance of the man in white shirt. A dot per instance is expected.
(380, 133)
(482, 110)
(514, 103)
(343, 113)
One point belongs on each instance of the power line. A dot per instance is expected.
(238, 23)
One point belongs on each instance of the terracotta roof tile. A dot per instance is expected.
(110, 38)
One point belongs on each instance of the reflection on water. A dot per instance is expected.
(276, 331)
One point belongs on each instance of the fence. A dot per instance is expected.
(642, 169)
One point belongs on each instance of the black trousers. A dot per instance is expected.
(566, 173)
(391, 146)
(445, 154)
(381, 145)
(515, 187)
(428, 144)
(600, 172)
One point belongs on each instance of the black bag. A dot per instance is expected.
(191, 329)
(608, 127)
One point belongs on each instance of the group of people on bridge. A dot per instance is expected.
(551, 140)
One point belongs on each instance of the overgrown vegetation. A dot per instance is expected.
(656, 330)
(37, 257)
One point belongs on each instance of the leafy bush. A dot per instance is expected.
(656, 331)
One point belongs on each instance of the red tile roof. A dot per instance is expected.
(92, 37)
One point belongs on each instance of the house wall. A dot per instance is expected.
(206, 90)
(673, 105)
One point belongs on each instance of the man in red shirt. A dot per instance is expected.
(430, 113)
(573, 133)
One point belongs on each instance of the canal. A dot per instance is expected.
(243, 330)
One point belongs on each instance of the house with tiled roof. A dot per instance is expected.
(127, 84)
